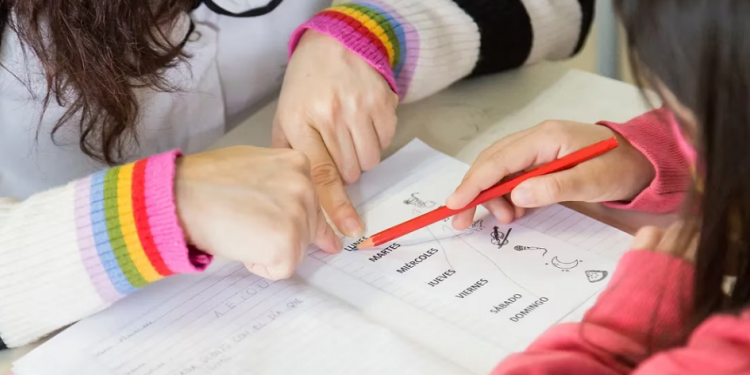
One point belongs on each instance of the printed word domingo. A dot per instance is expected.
(521, 314)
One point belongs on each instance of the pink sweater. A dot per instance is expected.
(638, 325)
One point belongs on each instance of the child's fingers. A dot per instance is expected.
(680, 240)
(692, 249)
(463, 220)
(669, 241)
(647, 238)
(569, 185)
(504, 158)
(501, 210)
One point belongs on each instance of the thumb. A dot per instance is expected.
(325, 237)
(565, 186)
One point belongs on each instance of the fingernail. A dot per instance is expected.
(522, 196)
(353, 228)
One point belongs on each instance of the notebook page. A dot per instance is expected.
(460, 333)
(497, 293)
(229, 321)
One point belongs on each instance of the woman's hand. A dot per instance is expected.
(340, 112)
(679, 240)
(254, 205)
(618, 175)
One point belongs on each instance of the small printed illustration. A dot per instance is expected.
(477, 226)
(416, 202)
(563, 266)
(595, 276)
(531, 248)
(499, 238)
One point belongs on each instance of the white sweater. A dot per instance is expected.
(76, 236)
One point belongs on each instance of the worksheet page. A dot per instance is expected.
(438, 301)
(503, 283)
(229, 321)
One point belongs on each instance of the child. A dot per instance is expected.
(667, 309)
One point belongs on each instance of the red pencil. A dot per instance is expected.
(496, 191)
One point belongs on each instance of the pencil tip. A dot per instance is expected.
(366, 244)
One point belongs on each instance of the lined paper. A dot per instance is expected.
(417, 308)
(471, 256)
(228, 322)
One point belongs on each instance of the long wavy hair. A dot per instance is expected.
(94, 55)
(700, 50)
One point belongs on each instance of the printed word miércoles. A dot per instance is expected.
(409, 265)
(380, 254)
(473, 288)
(501, 306)
(442, 277)
(521, 314)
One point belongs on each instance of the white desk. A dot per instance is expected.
(470, 116)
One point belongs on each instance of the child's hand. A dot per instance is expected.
(679, 240)
(254, 205)
(621, 174)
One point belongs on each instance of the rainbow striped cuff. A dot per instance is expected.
(127, 227)
(374, 31)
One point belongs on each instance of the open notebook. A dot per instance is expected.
(435, 302)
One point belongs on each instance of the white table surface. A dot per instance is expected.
(471, 115)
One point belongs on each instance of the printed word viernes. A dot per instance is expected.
(409, 265)
(380, 254)
(473, 288)
(501, 306)
(521, 314)
(442, 277)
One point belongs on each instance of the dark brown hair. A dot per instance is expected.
(700, 50)
(95, 54)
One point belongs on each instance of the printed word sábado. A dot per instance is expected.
(501, 306)
(473, 288)
(442, 277)
(380, 254)
(409, 265)
(521, 314)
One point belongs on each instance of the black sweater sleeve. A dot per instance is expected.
(511, 30)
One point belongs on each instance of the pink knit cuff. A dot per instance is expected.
(128, 232)
(354, 35)
(162, 211)
(652, 135)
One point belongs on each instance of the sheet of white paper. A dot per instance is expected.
(503, 283)
(230, 322)
(457, 302)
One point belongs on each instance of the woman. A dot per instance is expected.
(92, 84)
